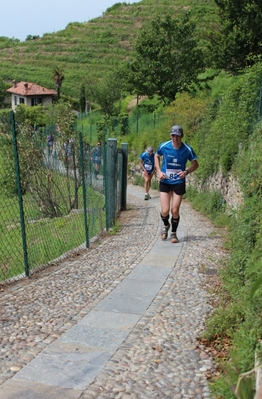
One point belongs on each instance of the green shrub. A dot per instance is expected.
(138, 180)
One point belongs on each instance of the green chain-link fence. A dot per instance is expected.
(55, 194)
(121, 125)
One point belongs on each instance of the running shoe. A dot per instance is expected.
(173, 237)
(147, 196)
(164, 232)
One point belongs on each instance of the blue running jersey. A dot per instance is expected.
(97, 154)
(174, 160)
(148, 161)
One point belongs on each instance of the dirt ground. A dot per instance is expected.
(132, 104)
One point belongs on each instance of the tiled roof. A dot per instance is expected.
(30, 89)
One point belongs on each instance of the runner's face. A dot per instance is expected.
(176, 140)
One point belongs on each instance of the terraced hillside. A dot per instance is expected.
(84, 50)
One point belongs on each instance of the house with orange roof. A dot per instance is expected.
(30, 94)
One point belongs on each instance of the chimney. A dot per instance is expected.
(14, 83)
(26, 85)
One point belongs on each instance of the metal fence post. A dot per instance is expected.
(84, 187)
(111, 182)
(119, 178)
(124, 147)
(19, 193)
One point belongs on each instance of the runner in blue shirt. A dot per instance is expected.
(50, 142)
(172, 173)
(97, 158)
(147, 164)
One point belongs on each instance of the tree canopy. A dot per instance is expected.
(239, 39)
(167, 59)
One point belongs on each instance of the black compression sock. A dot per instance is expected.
(165, 219)
(175, 223)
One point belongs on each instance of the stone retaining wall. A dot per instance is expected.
(227, 185)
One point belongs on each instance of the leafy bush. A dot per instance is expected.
(222, 135)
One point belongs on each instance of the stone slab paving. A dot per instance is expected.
(120, 321)
(33, 390)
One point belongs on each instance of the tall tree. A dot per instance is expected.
(106, 93)
(82, 98)
(3, 94)
(239, 40)
(167, 58)
(58, 77)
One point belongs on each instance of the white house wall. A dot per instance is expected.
(27, 100)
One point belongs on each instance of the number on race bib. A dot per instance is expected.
(172, 175)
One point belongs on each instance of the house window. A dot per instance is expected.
(21, 100)
(15, 100)
(36, 101)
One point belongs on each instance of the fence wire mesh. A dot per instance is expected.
(119, 126)
(52, 196)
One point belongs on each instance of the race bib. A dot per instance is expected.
(147, 166)
(172, 174)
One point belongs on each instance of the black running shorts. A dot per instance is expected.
(179, 189)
